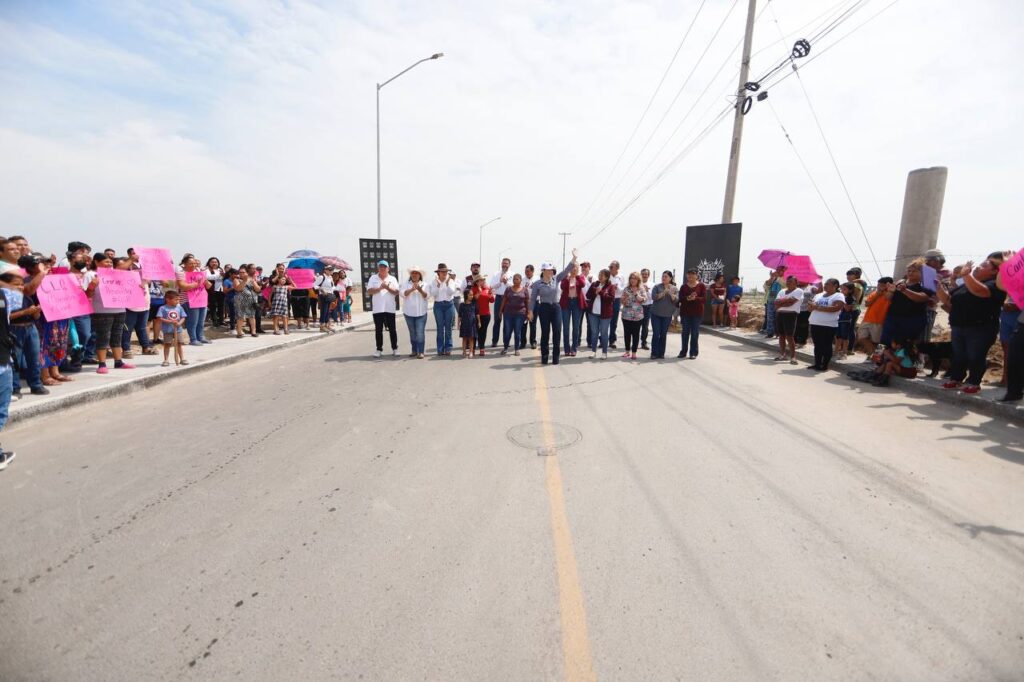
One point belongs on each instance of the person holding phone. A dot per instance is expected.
(908, 307)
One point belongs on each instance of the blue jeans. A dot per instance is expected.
(970, 348)
(417, 332)
(902, 329)
(571, 333)
(444, 317)
(325, 307)
(136, 321)
(691, 332)
(194, 323)
(26, 356)
(514, 327)
(598, 332)
(496, 330)
(83, 329)
(6, 388)
(612, 336)
(659, 334)
(769, 319)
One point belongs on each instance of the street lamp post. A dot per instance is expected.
(379, 86)
(480, 257)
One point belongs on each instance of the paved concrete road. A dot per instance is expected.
(315, 514)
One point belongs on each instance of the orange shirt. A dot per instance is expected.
(876, 307)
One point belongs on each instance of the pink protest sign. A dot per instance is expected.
(156, 264)
(1013, 277)
(303, 277)
(121, 288)
(197, 298)
(61, 297)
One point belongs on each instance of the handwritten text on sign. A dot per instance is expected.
(302, 277)
(197, 298)
(121, 288)
(1013, 277)
(156, 264)
(61, 297)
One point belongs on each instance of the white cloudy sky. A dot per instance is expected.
(245, 129)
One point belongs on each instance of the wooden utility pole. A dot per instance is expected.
(737, 124)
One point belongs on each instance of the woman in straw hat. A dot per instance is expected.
(414, 305)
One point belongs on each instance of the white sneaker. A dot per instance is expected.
(604, 356)
(6, 458)
(394, 353)
(593, 355)
(376, 353)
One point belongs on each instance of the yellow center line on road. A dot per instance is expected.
(575, 641)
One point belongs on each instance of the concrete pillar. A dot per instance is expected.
(922, 210)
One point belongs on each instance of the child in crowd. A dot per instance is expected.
(733, 294)
(898, 359)
(347, 310)
(468, 324)
(734, 313)
(172, 318)
(845, 320)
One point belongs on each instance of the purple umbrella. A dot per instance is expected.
(304, 253)
(336, 262)
(773, 258)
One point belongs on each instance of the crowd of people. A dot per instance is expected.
(893, 322)
(37, 354)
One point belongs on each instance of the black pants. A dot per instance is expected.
(823, 338)
(481, 331)
(300, 305)
(312, 308)
(632, 333)
(497, 320)
(259, 315)
(1015, 363)
(215, 308)
(550, 330)
(802, 328)
(380, 321)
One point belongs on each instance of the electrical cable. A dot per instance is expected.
(814, 183)
(650, 102)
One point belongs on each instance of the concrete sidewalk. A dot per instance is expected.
(986, 401)
(89, 386)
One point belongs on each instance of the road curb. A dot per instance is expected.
(144, 382)
(1014, 411)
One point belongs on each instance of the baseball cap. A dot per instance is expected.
(382, 262)
(934, 253)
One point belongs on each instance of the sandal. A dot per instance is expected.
(63, 378)
(184, 362)
(780, 358)
(165, 364)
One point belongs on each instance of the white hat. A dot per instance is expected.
(546, 266)
(422, 271)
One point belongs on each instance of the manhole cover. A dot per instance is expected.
(531, 436)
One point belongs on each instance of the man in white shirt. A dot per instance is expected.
(620, 284)
(528, 280)
(499, 282)
(383, 290)
(324, 285)
(646, 285)
(445, 289)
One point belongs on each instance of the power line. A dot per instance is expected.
(810, 177)
(679, 92)
(650, 102)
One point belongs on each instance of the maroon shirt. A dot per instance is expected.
(694, 308)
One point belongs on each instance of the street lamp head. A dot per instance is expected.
(437, 55)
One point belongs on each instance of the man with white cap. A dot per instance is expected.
(543, 302)
(383, 288)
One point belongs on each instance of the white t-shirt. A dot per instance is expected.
(383, 302)
(9, 267)
(324, 284)
(826, 319)
(444, 292)
(619, 281)
(789, 301)
(414, 305)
